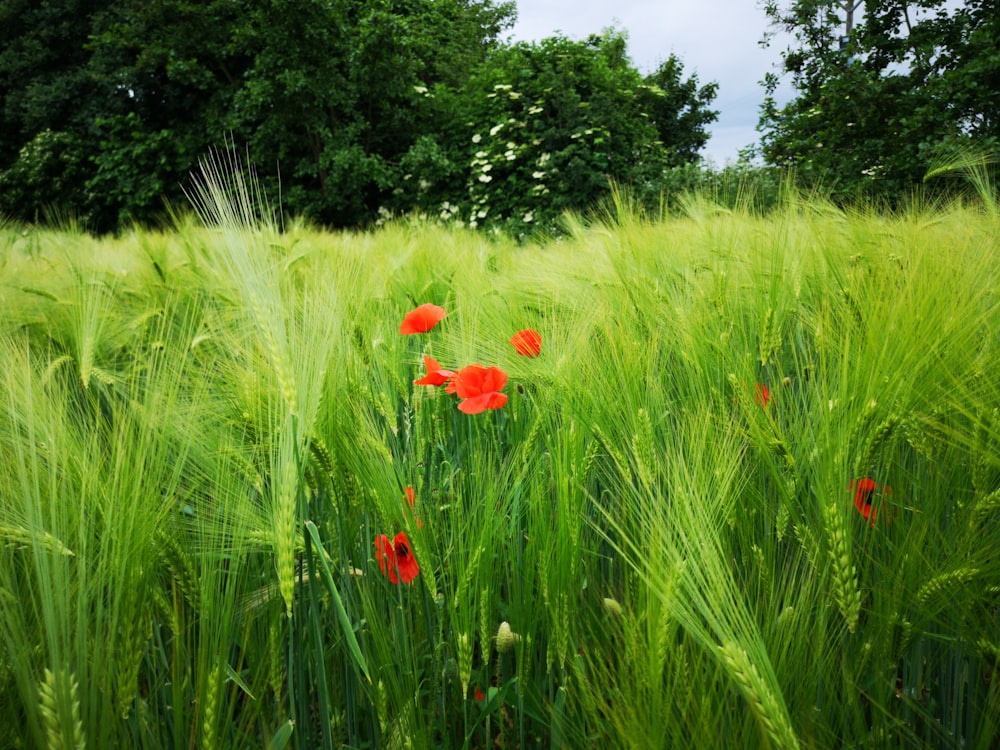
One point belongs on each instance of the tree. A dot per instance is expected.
(105, 107)
(46, 101)
(542, 128)
(876, 106)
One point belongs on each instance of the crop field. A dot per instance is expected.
(717, 480)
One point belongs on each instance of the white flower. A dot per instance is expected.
(528, 217)
(543, 158)
(495, 129)
(502, 87)
(487, 167)
(509, 155)
(514, 95)
(424, 184)
(538, 175)
(480, 154)
(420, 89)
(485, 178)
(481, 213)
(473, 223)
(534, 110)
(477, 138)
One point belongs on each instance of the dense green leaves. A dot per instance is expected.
(875, 108)
(351, 110)
(542, 128)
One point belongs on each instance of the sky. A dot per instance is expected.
(717, 40)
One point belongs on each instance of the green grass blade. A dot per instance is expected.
(345, 621)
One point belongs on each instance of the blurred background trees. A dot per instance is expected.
(352, 110)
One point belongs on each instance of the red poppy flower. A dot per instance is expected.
(864, 489)
(527, 342)
(411, 498)
(435, 375)
(479, 388)
(479, 694)
(395, 559)
(763, 395)
(421, 319)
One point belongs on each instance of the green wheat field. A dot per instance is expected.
(747, 494)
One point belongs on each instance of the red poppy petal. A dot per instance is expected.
(411, 495)
(386, 556)
(494, 379)
(435, 375)
(496, 400)
(527, 343)
(763, 395)
(482, 402)
(408, 567)
(468, 381)
(475, 404)
(421, 319)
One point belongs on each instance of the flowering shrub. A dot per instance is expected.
(542, 128)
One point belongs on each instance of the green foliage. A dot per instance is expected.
(872, 114)
(107, 106)
(546, 128)
(354, 110)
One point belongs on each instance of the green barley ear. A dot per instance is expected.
(770, 336)
(768, 711)
(276, 658)
(901, 635)
(180, 565)
(808, 543)
(846, 592)
(880, 439)
(19, 536)
(781, 519)
(210, 706)
(132, 647)
(616, 456)
(59, 706)
(284, 544)
(944, 585)
(266, 321)
(485, 629)
(560, 634)
(986, 506)
(463, 651)
(642, 449)
(382, 707)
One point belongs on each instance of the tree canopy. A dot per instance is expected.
(351, 109)
(878, 103)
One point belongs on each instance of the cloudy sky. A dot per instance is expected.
(715, 39)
